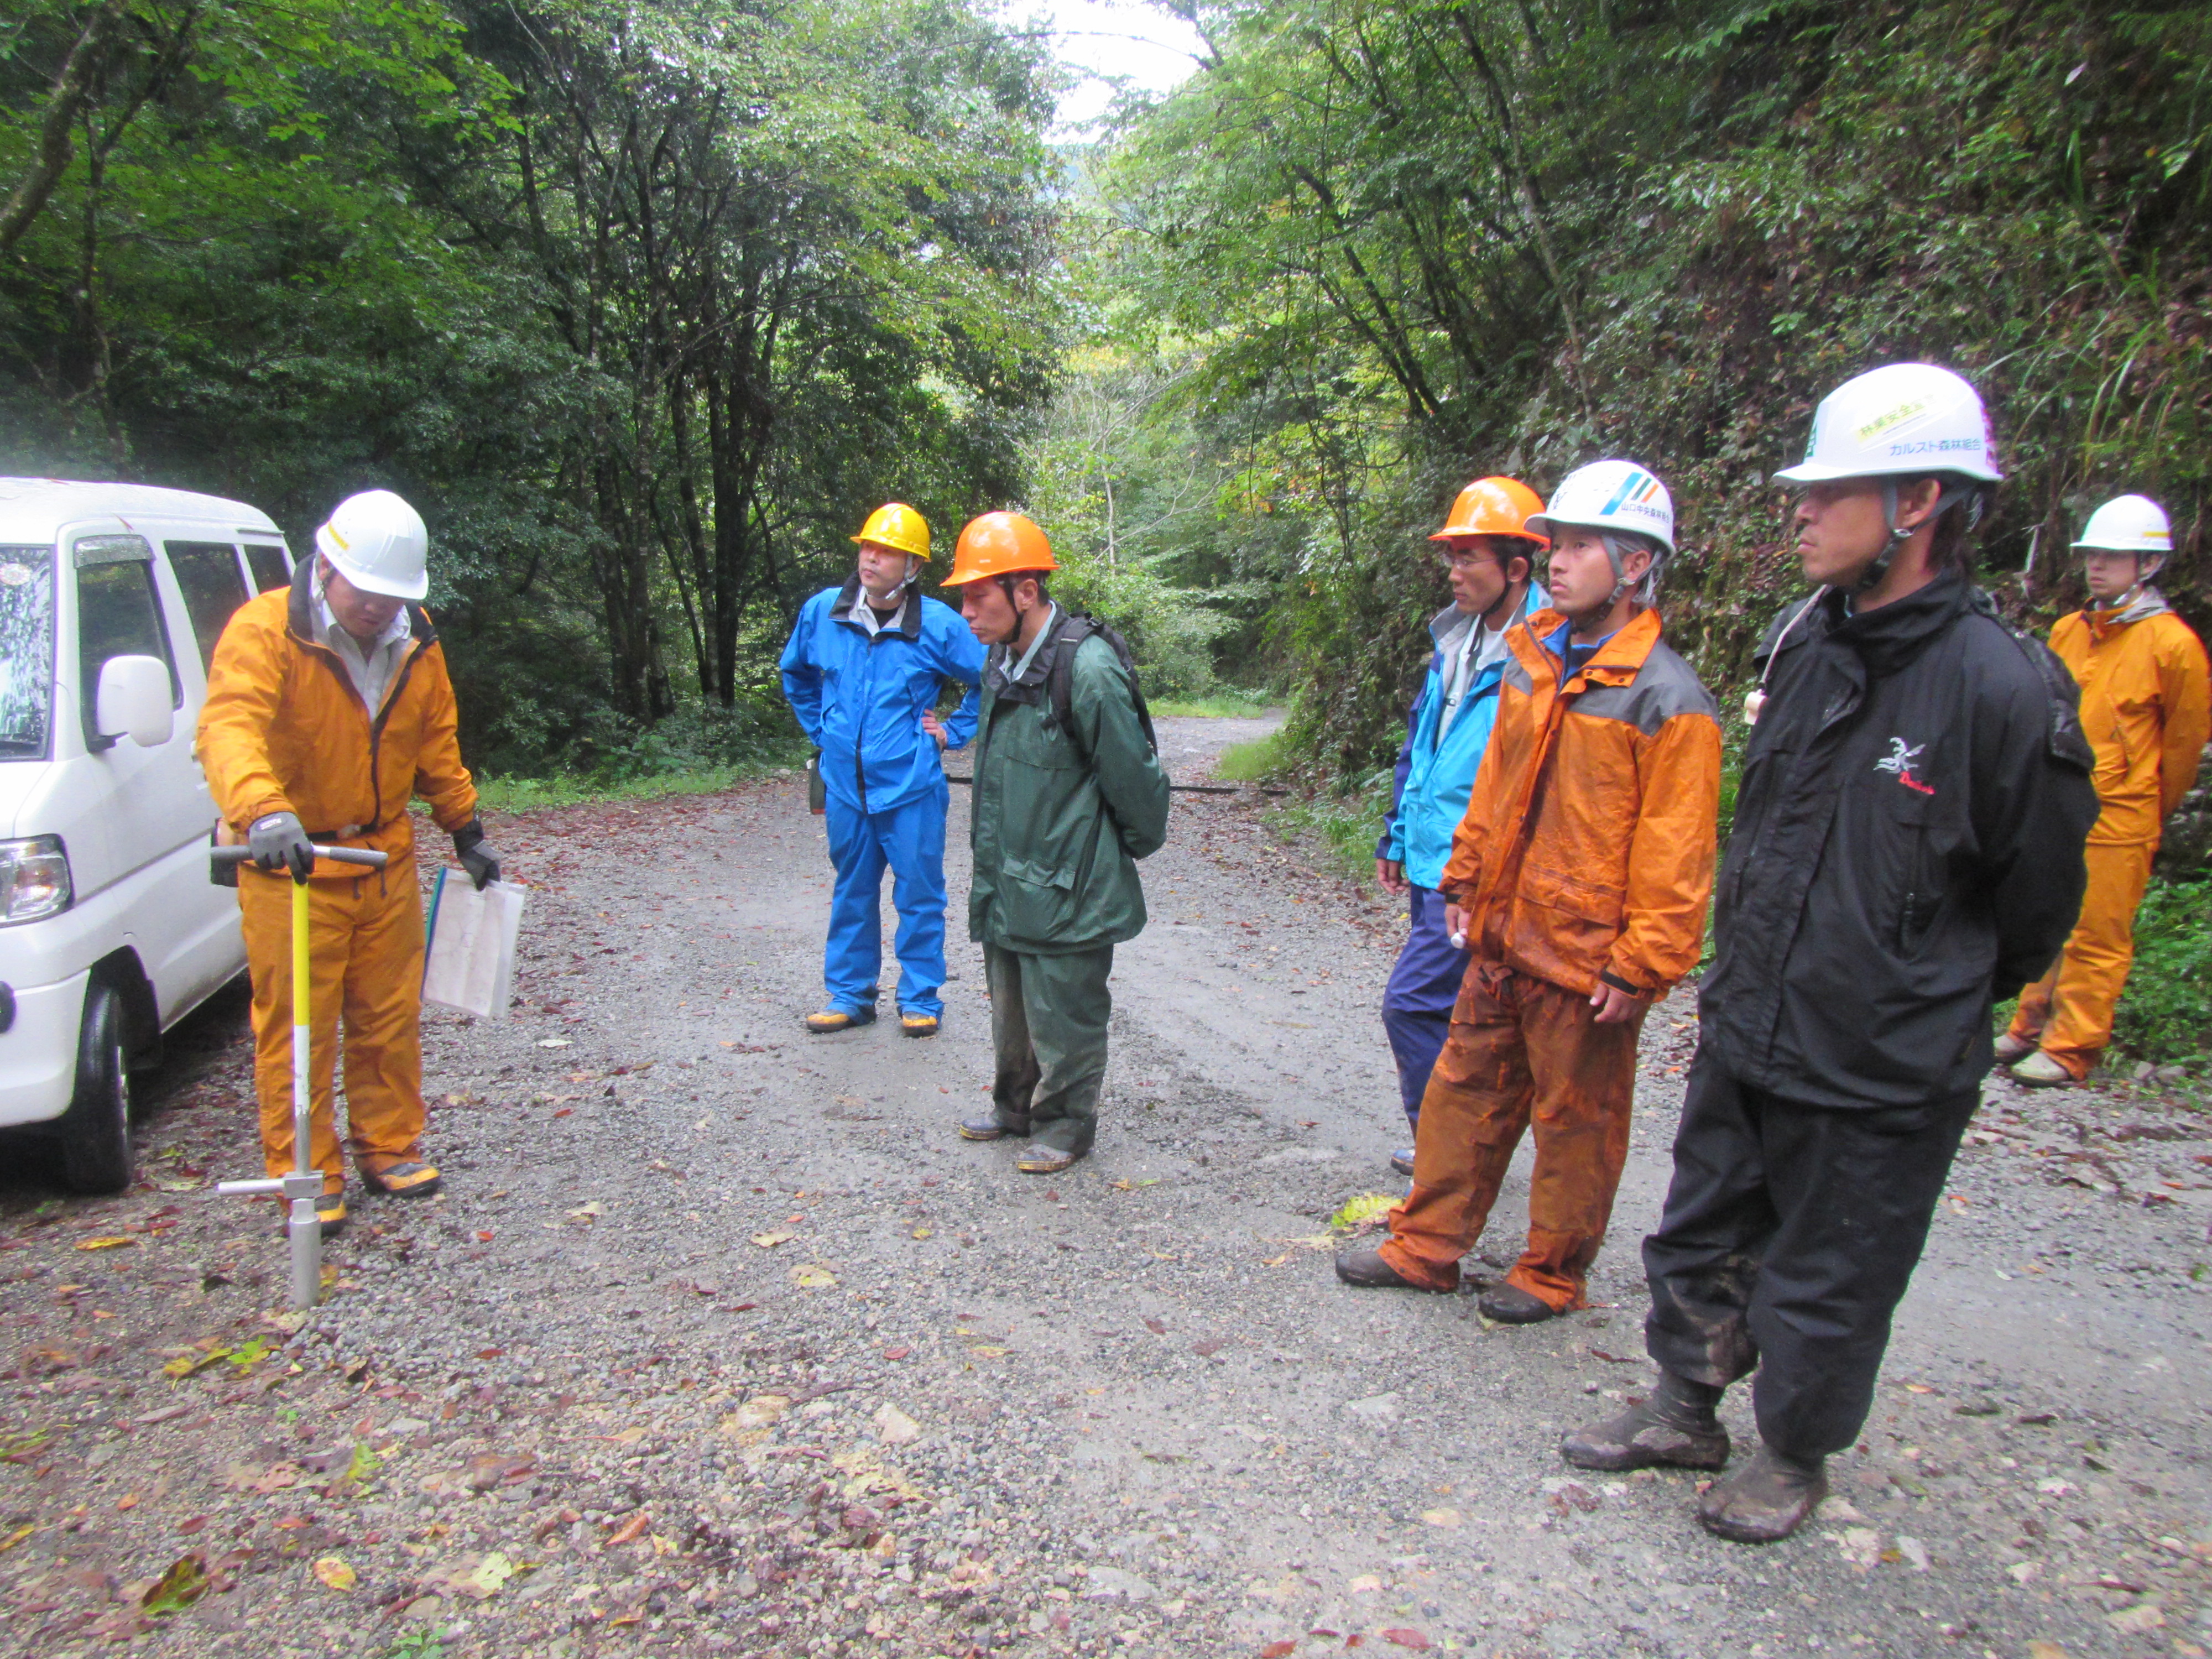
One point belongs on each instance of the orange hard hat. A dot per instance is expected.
(1494, 507)
(999, 545)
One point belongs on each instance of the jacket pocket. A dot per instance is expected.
(1916, 890)
(1574, 922)
(1035, 902)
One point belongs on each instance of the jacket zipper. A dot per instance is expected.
(376, 721)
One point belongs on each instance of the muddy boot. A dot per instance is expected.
(1766, 1501)
(1369, 1269)
(1674, 1427)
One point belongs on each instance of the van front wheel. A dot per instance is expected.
(96, 1129)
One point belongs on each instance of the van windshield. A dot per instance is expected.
(26, 651)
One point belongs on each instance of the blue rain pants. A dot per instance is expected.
(909, 839)
(1417, 1003)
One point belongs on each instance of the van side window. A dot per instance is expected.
(272, 567)
(119, 615)
(213, 587)
(27, 650)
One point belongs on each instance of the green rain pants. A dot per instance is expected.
(1048, 1027)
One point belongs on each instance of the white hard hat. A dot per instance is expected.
(2128, 523)
(378, 543)
(1609, 496)
(1905, 420)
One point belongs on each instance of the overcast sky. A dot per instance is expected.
(1105, 39)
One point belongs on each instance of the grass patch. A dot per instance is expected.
(1222, 705)
(1248, 762)
(530, 794)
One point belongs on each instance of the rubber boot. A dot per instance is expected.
(1766, 1501)
(1674, 1427)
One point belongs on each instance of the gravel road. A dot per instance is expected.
(721, 1341)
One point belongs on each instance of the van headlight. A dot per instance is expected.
(34, 878)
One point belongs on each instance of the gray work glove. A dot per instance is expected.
(280, 839)
(477, 856)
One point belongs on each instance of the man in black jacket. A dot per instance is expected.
(1907, 850)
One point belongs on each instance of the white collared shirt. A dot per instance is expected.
(864, 613)
(369, 666)
(1473, 651)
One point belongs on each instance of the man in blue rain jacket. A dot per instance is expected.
(1489, 551)
(863, 671)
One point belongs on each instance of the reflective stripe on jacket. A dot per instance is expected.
(1436, 775)
(860, 697)
(284, 730)
(1587, 849)
(2144, 709)
(1059, 819)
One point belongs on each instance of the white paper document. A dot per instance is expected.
(468, 963)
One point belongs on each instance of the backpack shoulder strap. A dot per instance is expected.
(1060, 678)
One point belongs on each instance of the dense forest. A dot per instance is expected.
(647, 305)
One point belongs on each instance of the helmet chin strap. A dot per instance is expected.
(1899, 534)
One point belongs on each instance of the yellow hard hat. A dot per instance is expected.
(899, 527)
(999, 545)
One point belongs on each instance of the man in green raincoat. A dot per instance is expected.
(1069, 795)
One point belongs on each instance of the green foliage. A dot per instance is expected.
(1230, 704)
(644, 306)
(2166, 1013)
(1410, 246)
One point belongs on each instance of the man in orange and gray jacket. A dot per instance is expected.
(1581, 873)
(328, 709)
(2144, 709)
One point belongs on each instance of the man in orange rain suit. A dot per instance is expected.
(328, 708)
(1580, 873)
(2144, 709)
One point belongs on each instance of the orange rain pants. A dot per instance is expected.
(2068, 1013)
(1520, 1049)
(365, 941)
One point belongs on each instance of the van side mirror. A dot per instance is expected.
(134, 701)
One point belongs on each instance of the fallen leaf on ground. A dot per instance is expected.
(757, 1412)
(2046, 1650)
(1279, 1650)
(769, 1241)
(1446, 1517)
(184, 1583)
(110, 1244)
(336, 1573)
(487, 1576)
(812, 1278)
(20, 1535)
(490, 1469)
(896, 1353)
(629, 1529)
(1407, 1639)
(894, 1427)
(1132, 1186)
(1157, 1327)
(1211, 1347)
(591, 1211)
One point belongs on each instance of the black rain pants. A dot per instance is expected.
(1788, 1237)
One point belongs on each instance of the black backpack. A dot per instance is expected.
(1070, 630)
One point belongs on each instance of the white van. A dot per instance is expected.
(111, 598)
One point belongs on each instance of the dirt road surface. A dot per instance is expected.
(721, 1341)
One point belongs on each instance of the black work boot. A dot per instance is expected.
(1765, 1501)
(1674, 1427)
(1507, 1303)
(984, 1126)
(1368, 1269)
